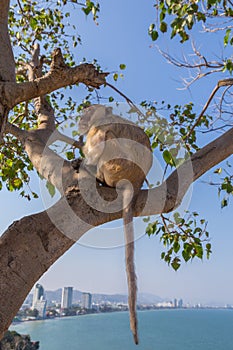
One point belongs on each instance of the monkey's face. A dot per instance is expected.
(84, 121)
(90, 116)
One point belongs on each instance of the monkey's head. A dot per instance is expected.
(91, 115)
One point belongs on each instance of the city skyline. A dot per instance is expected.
(87, 299)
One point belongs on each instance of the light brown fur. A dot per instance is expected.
(119, 150)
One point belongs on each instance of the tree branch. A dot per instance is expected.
(50, 165)
(26, 254)
(60, 75)
(17, 132)
(221, 83)
(45, 113)
(7, 62)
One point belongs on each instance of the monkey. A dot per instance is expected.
(118, 153)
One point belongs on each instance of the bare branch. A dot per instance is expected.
(186, 64)
(202, 66)
(224, 82)
(19, 3)
(128, 100)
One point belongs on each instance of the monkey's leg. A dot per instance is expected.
(129, 260)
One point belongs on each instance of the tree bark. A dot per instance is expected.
(28, 248)
(7, 62)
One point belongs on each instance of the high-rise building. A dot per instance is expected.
(86, 300)
(180, 303)
(38, 293)
(41, 307)
(39, 303)
(67, 296)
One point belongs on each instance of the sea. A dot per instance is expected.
(184, 329)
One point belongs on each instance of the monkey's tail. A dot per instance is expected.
(129, 260)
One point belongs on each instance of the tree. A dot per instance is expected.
(31, 107)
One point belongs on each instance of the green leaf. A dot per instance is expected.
(17, 183)
(186, 255)
(51, 189)
(199, 251)
(177, 218)
(175, 263)
(227, 36)
(168, 158)
(70, 155)
(154, 35)
(224, 203)
(147, 219)
(122, 66)
(176, 247)
(33, 23)
(163, 27)
(218, 171)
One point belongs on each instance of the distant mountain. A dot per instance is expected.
(143, 298)
(112, 298)
(53, 296)
(147, 298)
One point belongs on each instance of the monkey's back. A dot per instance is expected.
(127, 154)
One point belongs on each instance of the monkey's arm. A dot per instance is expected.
(94, 146)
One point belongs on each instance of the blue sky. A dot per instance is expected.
(121, 37)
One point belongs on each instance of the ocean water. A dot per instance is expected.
(158, 329)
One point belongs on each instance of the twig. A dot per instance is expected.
(128, 100)
(20, 6)
(26, 111)
(222, 99)
(224, 82)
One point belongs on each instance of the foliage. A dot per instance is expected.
(15, 167)
(48, 24)
(225, 187)
(176, 139)
(185, 235)
(181, 16)
(175, 130)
